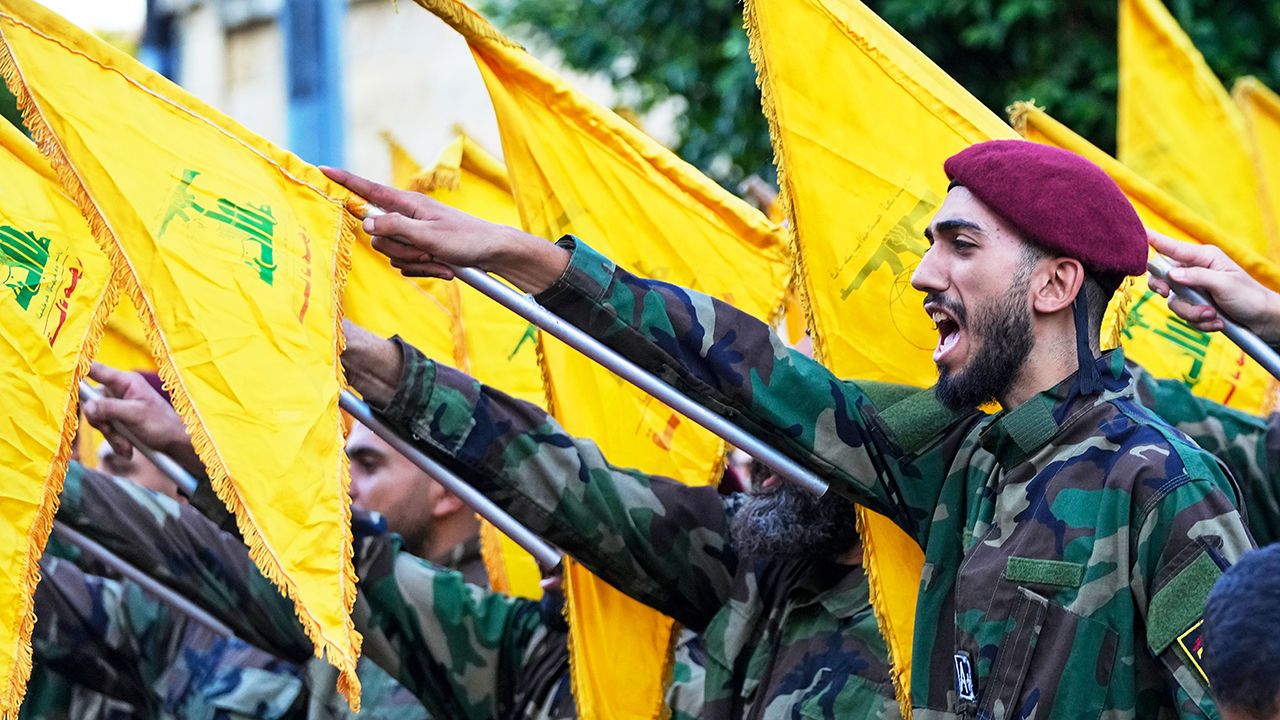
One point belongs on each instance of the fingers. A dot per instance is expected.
(384, 196)
(117, 382)
(1158, 286)
(1217, 282)
(1184, 252)
(425, 269)
(396, 250)
(1201, 317)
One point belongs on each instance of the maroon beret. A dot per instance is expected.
(1056, 199)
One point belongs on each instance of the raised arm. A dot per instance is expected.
(111, 637)
(458, 648)
(720, 356)
(655, 539)
(179, 547)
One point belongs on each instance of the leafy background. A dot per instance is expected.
(1062, 54)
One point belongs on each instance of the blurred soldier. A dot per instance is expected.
(111, 636)
(1240, 648)
(1070, 541)
(136, 403)
(1248, 445)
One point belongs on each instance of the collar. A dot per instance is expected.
(460, 555)
(1015, 435)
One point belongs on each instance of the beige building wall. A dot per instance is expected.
(405, 72)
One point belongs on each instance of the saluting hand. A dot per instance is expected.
(1208, 269)
(423, 237)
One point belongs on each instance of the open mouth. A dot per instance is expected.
(949, 333)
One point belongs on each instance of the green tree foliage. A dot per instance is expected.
(1063, 54)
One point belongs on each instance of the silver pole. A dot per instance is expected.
(146, 582)
(547, 557)
(526, 307)
(1256, 347)
(186, 483)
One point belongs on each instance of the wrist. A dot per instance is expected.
(526, 261)
(1269, 327)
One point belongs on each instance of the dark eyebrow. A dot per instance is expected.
(956, 226)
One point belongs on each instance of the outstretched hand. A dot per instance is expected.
(423, 237)
(1208, 269)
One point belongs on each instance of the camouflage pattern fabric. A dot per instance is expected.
(778, 638)
(111, 637)
(212, 568)
(457, 649)
(1248, 445)
(1069, 544)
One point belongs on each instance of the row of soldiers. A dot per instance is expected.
(1071, 540)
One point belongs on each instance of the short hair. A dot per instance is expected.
(1241, 642)
(1098, 289)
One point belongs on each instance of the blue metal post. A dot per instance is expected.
(312, 32)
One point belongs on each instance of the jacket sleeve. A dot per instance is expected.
(178, 546)
(464, 651)
(659, 541)
(1189, 532)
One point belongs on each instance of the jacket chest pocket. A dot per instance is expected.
(1051, 660)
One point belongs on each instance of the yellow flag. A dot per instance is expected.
(1261, 108)
(1209, 363)
(578, 168)
(236, 251)
(54, 300)
(1178, 128)
(500, 349)
(860, 147)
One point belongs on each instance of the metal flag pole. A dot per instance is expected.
(186, 483)
(1256, 347)
(547, 557)
(146, 582)
(526, 307)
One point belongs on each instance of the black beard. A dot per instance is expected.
(1004, 330)
(789, 523)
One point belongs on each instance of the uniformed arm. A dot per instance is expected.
(87, 633)
(734, 364)
(464, 651)
(1187, 534)
(460, 649)
(661, 542)
(1248, 445)
(720, 356)
(113, 638)
(178, 546)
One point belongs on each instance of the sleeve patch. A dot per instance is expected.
(1191, 643)
(1179, 605)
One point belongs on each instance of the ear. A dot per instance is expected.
(445, 505)
(1056, 284)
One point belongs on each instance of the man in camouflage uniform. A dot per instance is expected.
(1070, 541)
(466, 652)
(138, 406)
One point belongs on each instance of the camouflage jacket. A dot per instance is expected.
(461, 650)
(212, 569)
(111, 637)
(1069, 543)
(779, 639)
(1248, 445)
